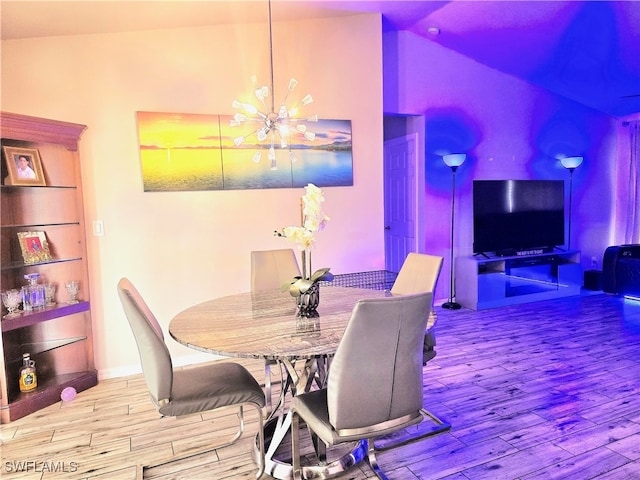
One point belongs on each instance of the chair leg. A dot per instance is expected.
(261, 461)
(238, 434)
(373, 461)
(319, 447)
(396, 440)
(295, 447)
(240, 425)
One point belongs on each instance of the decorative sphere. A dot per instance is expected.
(68, 394)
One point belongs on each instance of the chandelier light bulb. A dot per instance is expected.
(257, 156)
(274, 165)
(292, 157)
(250, 109)
(283, 130)
(272, 121)
(262, 93)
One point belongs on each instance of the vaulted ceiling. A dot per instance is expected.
(588, 51)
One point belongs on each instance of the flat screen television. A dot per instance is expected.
(512, 216)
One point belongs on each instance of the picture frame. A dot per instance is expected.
(34, 246)
(24, 166)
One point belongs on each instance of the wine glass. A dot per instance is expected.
(73, 288)
(50, 293)
(12, 300)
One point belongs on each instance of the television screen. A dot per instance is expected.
(511, 216)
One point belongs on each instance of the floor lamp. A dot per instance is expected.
(570, 163)
(452, 161)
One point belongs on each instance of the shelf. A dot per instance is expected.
(46, 187)
(26, 319)
(59, 335)
(47, 393)
(41, 347)
(15, 265)
(40, 225)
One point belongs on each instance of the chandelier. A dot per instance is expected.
(272, 128)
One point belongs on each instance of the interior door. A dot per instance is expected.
(399, 199)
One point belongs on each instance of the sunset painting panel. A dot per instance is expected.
(179, 151)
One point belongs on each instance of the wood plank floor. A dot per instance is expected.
(546, 390)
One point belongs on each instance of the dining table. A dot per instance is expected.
(267, 325)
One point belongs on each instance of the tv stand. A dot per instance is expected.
(495, 282)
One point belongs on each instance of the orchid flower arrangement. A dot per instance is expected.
(313, 221)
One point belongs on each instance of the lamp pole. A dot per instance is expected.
(570, 204)
(570, 163)
(451, 305)
(453, 161)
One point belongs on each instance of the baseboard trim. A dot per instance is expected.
(128, 370)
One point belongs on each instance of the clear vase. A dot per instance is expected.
(308, 301)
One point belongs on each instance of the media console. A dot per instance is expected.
(498, 281)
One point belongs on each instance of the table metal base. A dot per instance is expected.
(283, 469)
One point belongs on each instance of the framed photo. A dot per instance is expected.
(24, 166)
(34, 246)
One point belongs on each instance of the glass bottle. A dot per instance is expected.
(33, 295)
(28, 377)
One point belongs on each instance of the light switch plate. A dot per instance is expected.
(98, 228)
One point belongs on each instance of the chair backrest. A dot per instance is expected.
(376, 373)
(271, 268)
(154, 354)
(419, 273)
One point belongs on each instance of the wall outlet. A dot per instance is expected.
(594, 263)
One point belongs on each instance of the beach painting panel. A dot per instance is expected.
(181, 152)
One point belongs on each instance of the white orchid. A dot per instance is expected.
(313, 221)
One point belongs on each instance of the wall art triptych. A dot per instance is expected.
(183, 152)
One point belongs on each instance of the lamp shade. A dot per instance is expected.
(571, 162)
(454, 159)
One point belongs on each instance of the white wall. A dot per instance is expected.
(180, 248)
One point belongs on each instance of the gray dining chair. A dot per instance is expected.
(374, 386)
(271, 268)
(177, 392)
(419, 273)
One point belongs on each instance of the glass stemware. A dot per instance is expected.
(73, 288)
(12, 300)
(50, 293)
